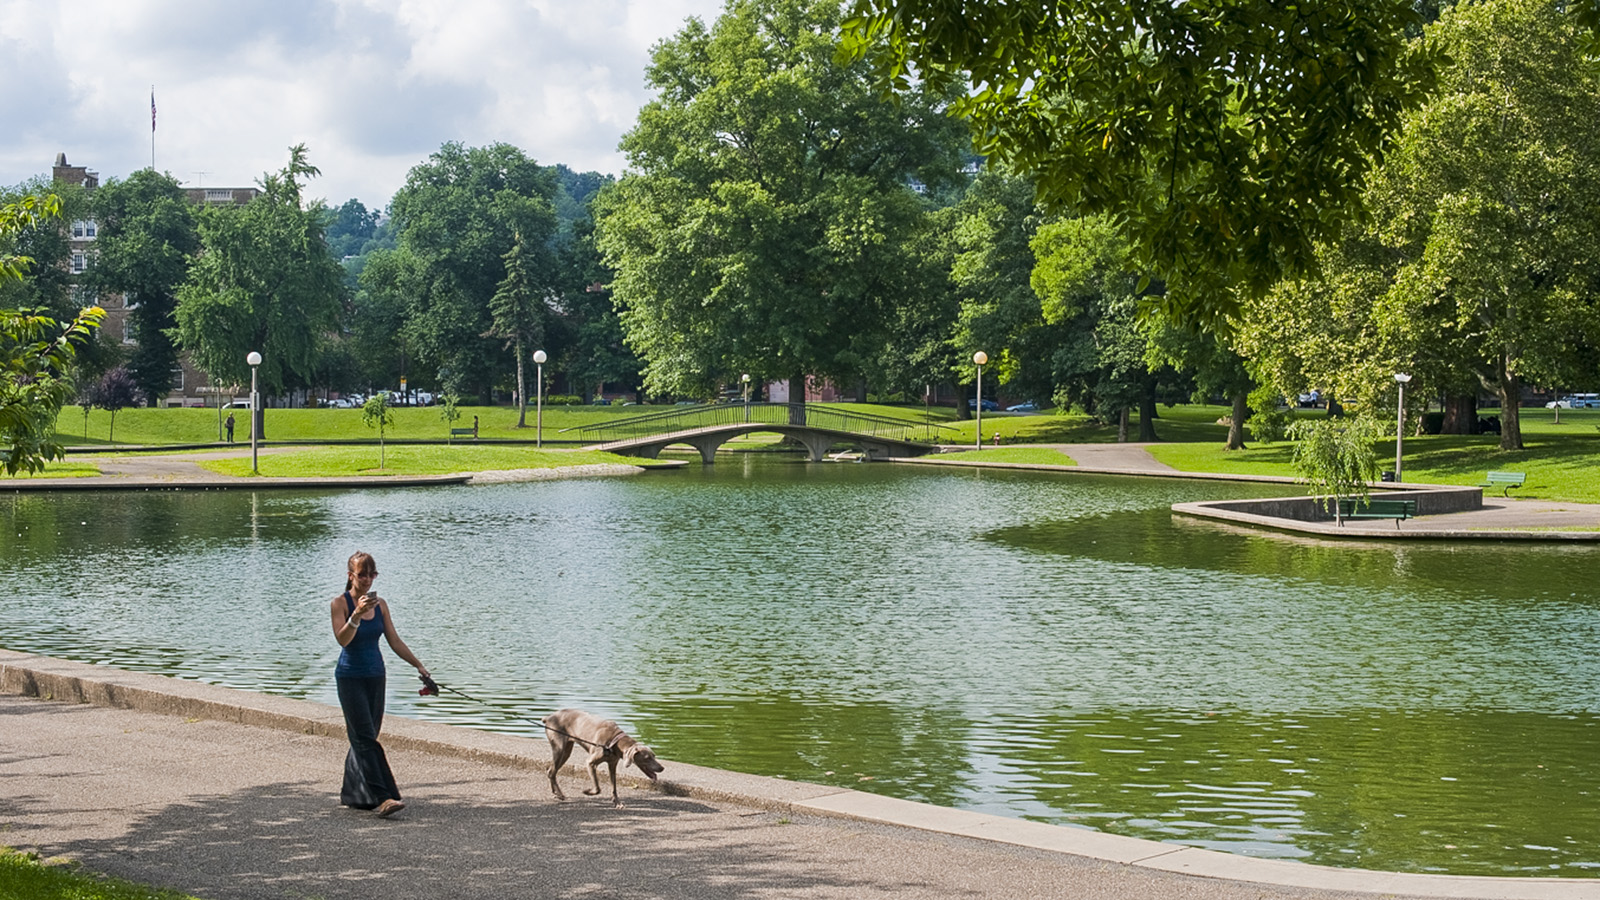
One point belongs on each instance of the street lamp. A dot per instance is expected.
(745, 379)
(538, 392)
(1400, 378)
(980, 358)
(254, 359)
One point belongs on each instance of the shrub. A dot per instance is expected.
(1335, 456)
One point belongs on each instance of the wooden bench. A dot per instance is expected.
(1398, 510)
(464, 432)
(1505, 481)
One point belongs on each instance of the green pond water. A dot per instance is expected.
(1058, 648)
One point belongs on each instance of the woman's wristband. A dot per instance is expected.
(353, 623)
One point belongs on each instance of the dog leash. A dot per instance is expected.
(432, 688)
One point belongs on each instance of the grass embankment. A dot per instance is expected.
(1175, 423)
(67, 469)
(408, 459)
(1562, 461)
(24, 876)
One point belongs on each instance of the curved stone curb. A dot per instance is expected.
(62, 680)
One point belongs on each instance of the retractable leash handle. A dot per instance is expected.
(429, 687)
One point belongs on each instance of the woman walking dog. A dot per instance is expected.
(360, 617)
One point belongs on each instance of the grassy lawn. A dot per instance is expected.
(1037, 456)
(66, 469)
(23, 876)
(196, 426)
(1562, 461)
(408, 459)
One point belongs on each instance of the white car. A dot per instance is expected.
(1575, 401)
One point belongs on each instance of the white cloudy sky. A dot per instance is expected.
(371, 86)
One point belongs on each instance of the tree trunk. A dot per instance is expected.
(1147, 412)
(522, 390)
(797, 399)
(861, 391)
(1460, 414)
(963, 411)
(1122, 425)
(1510, 396)
(1241, 407)
(1335, 408)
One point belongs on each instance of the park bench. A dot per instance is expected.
(1398, 510)
(464, 432)
(1505, 481)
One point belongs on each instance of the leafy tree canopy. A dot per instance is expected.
(265, 282)
(763, 226)
(1225, 137)
(148, 236)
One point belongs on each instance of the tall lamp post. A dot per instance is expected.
(1400, 378)
(538, 392)
(254, 359)
(980, 358)
(745, 379)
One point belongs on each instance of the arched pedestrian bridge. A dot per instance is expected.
(705, 428)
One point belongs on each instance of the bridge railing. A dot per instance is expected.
(804, 414)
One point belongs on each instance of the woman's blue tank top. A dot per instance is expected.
(361, 658)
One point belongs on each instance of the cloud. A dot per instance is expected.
(371, 87)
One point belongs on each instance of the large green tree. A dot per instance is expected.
(518, 312)
(1226, 137)
(148, 237)
(1478, 268)
(457, 216)
(263, 282)
(763, 226)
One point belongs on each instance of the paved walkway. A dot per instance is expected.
(227, 794)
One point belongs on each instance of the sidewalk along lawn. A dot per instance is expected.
(24, 876)
(408, 459)
(1562, 462)
(1033, 456)
(1184, 422)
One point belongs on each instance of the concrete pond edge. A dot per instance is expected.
(53, 679)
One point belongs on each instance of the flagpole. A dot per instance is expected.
(152, 128)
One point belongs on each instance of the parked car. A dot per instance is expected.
(238, 404)
(988, 405)
(1575, 401)
(1024, 406)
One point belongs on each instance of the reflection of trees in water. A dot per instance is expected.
(898, 750)
(1401, 790)
(1156, 538)
(55, 523)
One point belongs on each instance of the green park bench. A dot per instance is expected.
(1505, 481)
(1398, 510)
(464, 432)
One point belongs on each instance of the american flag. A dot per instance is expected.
(152, 110)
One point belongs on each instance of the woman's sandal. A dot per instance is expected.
(388, 808)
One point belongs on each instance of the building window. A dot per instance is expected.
(177, 378)
(84, 229)
(219, 195)
(82, 296)
(128, 335)
(79, 263)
